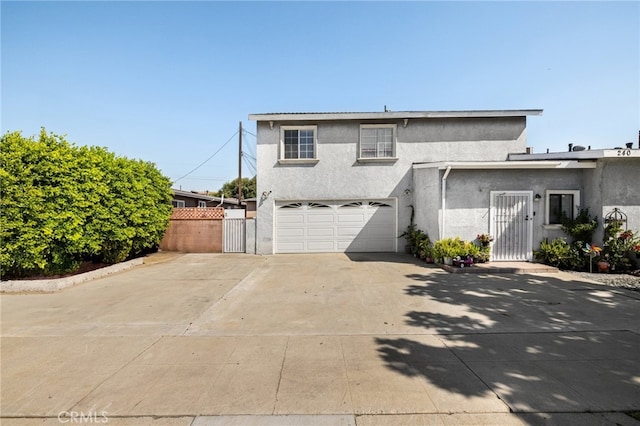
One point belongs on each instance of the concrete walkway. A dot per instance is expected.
(320, 340)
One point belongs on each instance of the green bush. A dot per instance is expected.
(62, 204)
(561, 254)
(582, 227)
(621, 248)
(418, 242)
(449, 247)
(554, 252)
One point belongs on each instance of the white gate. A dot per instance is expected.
(511, 225)
(233, 231)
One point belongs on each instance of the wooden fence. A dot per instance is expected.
(194, 230)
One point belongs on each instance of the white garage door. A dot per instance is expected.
(336, 226)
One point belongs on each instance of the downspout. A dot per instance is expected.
(444, 196)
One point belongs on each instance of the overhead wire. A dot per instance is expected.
(205, 161)
(249, 165)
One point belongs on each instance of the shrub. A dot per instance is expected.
(582, 227)
(449, 247)
(620, 248)
(555, 252)
(419, 242)
(62, 204)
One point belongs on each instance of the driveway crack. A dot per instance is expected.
(284, 357)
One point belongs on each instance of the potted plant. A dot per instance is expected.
(447, 249)
(603, 264)
(484, 239)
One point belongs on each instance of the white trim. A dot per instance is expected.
(488, 165)
(179, 203)
(202, 204)
(394, 140)
(589, 154)
(443, 202)
(398, 115)
(576, 203)
(288, 161)
(281, 144)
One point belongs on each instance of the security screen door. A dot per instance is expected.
(511, 225)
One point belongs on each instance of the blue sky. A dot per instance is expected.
(168, 82)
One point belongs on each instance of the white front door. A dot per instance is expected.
(336, 226)
(511, 225)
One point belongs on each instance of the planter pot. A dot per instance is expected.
(448, 260)
(429, 259)
(603, 266)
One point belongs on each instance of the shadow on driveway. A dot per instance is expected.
(541, 344)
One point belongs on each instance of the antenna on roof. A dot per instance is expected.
(385, 109)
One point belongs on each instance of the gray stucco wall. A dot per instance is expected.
(468, 199)
(614, 183)
(338, 174)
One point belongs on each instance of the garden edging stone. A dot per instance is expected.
(55, 284)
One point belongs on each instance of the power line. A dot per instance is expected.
(251, 157)
(205, 161)
(249, 165)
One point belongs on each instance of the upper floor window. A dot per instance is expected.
(298, 143)
(561, 202)
(377, 141)
(178, 203)
(202, 204)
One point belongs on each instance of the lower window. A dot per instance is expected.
(561, 203)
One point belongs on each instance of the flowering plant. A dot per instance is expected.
(484, 239)
(626, 235)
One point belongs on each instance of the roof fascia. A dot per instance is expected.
(324, 116)
(507, 165)
(589, 154)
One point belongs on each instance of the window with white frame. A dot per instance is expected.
(298, 143)
(202, 204)
(559, 203)
(178, 203)
(377, 141)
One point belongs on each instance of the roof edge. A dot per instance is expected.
(300, 116)
(489, 165)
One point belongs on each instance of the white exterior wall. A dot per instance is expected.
(338, 175)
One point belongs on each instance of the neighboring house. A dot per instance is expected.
(194, 199)
(340, 182)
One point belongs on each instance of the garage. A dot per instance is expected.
(336, 226)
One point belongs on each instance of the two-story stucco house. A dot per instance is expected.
(341, 182)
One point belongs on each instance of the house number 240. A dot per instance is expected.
(624, 152)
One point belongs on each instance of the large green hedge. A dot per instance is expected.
(62, 204)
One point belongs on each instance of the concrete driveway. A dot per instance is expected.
(320, 340)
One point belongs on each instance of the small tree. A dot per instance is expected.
(230, 189)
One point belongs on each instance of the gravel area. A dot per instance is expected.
(627, 281)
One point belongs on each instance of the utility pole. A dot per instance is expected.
(240, 165)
